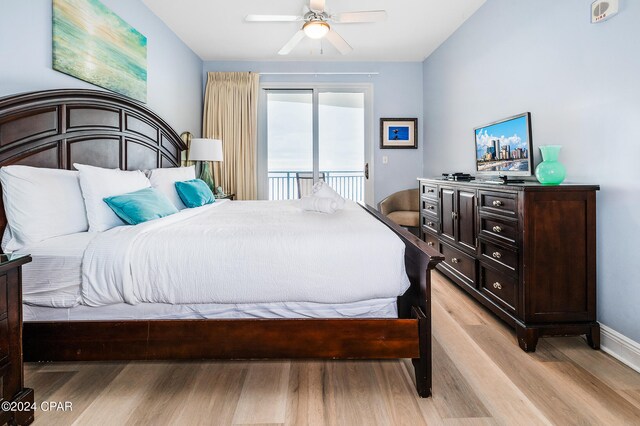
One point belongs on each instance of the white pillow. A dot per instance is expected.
(165, 181)
(98, 183)
(40, 204)
(6, 238)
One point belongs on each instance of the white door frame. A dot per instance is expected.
(262, 148)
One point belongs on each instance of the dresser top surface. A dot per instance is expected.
(526, 186)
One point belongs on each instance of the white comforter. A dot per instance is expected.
(246, 252)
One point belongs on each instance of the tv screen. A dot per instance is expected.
(504, 147)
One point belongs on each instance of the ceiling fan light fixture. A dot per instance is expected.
(316, 29)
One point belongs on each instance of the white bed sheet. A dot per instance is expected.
(246, 252)
(376, 308)
(54, 277)
(52, 292)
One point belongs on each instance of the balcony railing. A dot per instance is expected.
(283, 185)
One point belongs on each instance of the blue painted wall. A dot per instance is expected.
(174, 71)
(581, 83)
(397, 92)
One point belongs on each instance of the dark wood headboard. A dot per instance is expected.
(56, 128)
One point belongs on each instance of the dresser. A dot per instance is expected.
(525, 251)
(13, 394)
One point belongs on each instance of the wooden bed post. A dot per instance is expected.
(420, 259)
(422, 365)
(420, 276)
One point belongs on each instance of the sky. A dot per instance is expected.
(290, 131)
(513, 132)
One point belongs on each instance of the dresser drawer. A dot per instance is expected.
(500, 229)
(430, 239)
(503, 203)
(502, 257)
(463, 264)
(430, 223)
(428, 191)
(499, 287)
(429, 207)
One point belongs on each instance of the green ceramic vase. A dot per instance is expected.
(550, 171)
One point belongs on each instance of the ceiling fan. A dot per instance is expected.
(316, 24)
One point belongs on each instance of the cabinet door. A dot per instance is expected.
(467, 231)
(448, 208)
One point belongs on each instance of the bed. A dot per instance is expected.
(54, 129)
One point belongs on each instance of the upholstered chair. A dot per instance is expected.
(304, 181)
(403, 208)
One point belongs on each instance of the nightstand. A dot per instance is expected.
(226, 197)
(12, 388)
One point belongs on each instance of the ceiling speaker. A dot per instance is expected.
(601, 10)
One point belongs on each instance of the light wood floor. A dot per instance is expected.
(480, 377)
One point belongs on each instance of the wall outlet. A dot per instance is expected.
(385, 159)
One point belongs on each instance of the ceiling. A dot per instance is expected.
(215, 29)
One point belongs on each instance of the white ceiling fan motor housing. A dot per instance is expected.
(601, 10)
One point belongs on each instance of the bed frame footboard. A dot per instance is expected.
(221, 339)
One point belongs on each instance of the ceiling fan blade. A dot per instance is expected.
(317, 5)
(356, 17)
(272, 18)
(338, 42)
(293, 42)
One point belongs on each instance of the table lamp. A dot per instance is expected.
(205, 150)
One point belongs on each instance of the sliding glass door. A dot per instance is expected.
(314, 134)
(289, 141)
(341, 142)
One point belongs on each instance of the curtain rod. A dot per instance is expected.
(320, 73)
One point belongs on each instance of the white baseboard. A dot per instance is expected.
(620, 347)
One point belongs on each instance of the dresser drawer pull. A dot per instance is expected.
(431, 190)
(497, 203)
(497, 285)
(497, 254)
(497, 229)
(430, 223)
(430, 243)
(454, 260)
(431, 207)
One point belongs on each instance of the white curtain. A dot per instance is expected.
(231, 114)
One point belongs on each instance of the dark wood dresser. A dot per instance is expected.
(525, 251)
(13, 394)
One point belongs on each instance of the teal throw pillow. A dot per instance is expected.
(140, 206)
(194, 193)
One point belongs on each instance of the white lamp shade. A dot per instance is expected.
(205, 150)
(316, 29)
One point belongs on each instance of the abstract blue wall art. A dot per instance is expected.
(92, 43)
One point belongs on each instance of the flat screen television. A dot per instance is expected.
(503, 148)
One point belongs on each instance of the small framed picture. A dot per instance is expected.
(398, 133)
